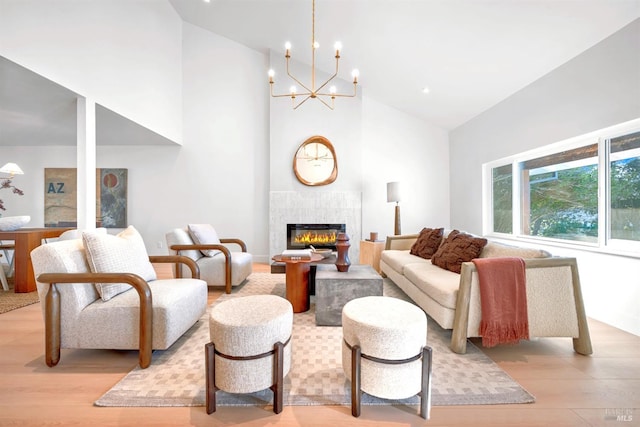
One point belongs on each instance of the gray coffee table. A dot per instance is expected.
(334, 289)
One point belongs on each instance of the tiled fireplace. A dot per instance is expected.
(314, 208)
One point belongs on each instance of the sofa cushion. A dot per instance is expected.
(177, 305)
(440, 284)
(427, 242)
(494, 249)
(204, 234)
(456, 249)
(123, 253)
(397, 259)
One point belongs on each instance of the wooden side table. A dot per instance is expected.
(370, 253)
(297, 278)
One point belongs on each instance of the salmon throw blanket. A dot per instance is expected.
(503, 298)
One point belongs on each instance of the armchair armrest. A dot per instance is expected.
(241, 243)
(400, 242)
(52, 310)
(222, 248)
(177, 259)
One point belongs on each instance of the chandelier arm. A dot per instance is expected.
(285, 94)
(341, 95)
(296, 80)
(325, 103)
(302, 102)
(327, 82)
(332, 77)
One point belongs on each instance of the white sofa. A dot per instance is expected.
(554, 299)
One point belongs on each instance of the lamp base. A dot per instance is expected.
(397, 224)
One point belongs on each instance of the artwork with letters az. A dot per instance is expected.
(61, 195)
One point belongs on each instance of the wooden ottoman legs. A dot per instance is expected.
(278, 374)
(210, 377)
(425, 394)
(356, 374)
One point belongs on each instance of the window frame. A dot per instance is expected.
(604, 242)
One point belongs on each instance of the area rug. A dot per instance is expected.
(176, 376)
(9, 300)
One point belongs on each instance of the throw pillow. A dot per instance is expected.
(427, 242)
(204, 234)
(122, 253)
(456, 249)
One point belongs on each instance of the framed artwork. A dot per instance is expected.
(61, 197)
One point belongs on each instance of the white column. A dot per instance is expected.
(86, 161)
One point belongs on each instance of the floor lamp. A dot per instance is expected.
(393, 195)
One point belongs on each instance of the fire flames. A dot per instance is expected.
(315, 238)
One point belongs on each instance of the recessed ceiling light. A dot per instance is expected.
(425, 89)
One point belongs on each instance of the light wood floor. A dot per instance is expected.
(571, 390)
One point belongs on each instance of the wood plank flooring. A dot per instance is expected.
(571, 390)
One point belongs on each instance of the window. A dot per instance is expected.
(624, 179)
(502, 199)
(560, 195)
(582, 191)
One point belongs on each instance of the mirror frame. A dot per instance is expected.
(306, 180)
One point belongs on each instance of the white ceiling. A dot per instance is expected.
(472, 54)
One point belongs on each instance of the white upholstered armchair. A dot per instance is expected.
(218, 265)
(103, 294)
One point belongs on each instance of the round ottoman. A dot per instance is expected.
(384, 351)
(250, 348)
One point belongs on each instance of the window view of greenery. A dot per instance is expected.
(558, 193)
(502, 199)
(566, 206)
(625, 187)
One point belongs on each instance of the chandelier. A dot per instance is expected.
(311, 91)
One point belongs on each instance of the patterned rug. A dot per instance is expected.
(176, 376)
(9, 300)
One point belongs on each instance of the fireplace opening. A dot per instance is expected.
(320, 236)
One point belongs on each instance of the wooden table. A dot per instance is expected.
(26, 240)
(297, 278)
(370, 252)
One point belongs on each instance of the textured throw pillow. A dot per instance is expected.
(456, 249)
(427, 242)
(122, 253)
(204, 234)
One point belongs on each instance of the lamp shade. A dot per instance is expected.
(393, 191)
(11, 169)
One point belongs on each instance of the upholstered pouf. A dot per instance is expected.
(385, 352)
(250, 348)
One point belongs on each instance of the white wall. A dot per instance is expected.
(399, 147)
(218, 176)
(597, 89)
(123, 54)
(374, 144)
(289, 128)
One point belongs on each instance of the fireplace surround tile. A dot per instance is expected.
(331, 207)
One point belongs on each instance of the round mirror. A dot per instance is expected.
(315, 162)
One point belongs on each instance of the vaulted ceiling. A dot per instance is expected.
(471, 54)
